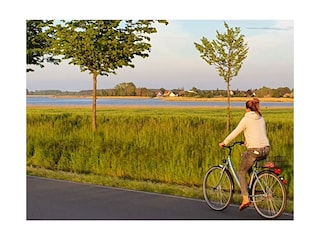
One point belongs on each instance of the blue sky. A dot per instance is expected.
(174, 62)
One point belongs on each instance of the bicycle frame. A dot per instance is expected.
(229, 165)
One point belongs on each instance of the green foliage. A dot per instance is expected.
(102, 46)
(227, 53)
(269, 92)
(125, 89)
(174, 146)
(38, 43)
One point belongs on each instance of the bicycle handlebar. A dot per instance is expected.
(232, 145)
(235, 143)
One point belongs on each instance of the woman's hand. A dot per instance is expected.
(221, 145)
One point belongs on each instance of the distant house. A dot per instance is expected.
(159, 94)
(166, 93)
(172, 94)
(191, 91)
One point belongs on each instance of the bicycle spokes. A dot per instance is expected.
(269, 195)
(217, 188)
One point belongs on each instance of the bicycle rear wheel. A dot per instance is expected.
(269, 195)
(218, 188)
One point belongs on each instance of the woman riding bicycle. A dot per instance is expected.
(254, 128)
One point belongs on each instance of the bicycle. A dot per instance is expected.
(266, 187)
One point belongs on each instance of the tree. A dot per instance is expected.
(143, 91)
(38, 43)
(227, 53)
(162, 90)
(103, 46)
(125, 89)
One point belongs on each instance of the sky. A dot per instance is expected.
(174, 62)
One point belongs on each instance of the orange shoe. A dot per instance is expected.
(244, 205)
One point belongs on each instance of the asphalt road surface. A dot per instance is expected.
(50, 199)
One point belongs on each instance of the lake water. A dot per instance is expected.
(156, 102)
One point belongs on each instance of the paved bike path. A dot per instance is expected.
(50, 199)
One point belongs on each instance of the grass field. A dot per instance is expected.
(141, 146)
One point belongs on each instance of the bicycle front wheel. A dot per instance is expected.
(269, 195)
(218, 188)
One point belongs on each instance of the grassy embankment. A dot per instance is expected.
(164, 150)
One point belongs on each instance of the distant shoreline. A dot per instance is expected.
(190, 99)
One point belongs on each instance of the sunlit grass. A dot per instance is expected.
(172, 146)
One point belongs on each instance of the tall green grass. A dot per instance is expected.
(168, 145)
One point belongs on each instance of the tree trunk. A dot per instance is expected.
(228, 108)
(94, 102)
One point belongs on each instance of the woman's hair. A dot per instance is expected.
(254, 105)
